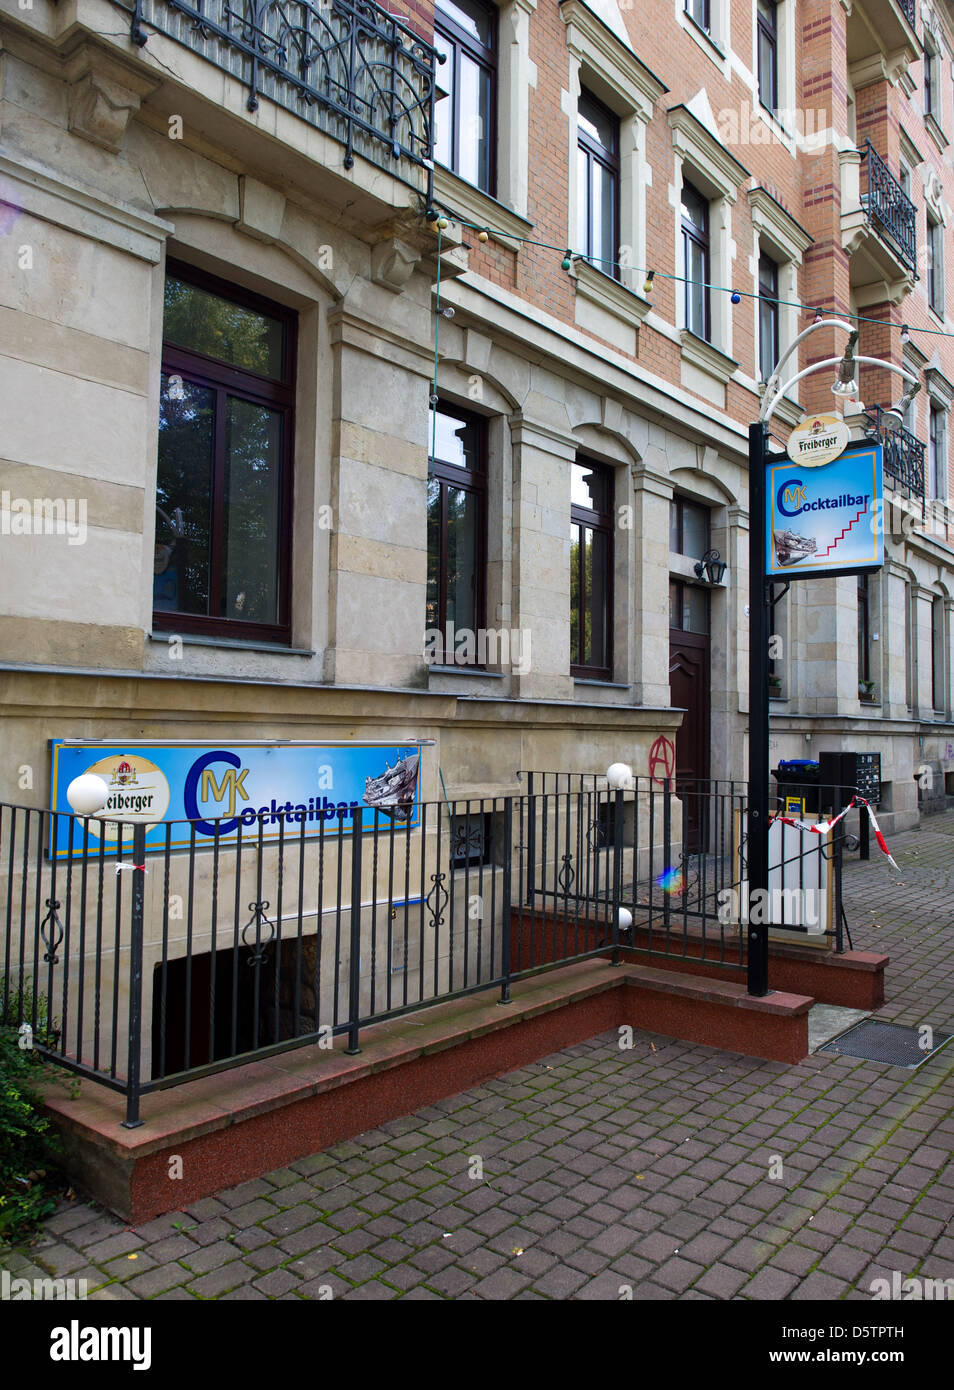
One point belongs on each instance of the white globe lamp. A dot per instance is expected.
(625, 919)
(87, 794)
(619, 775)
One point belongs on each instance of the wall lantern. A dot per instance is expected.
(711, 568)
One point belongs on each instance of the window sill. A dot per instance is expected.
(600, 288)
(467, 671)
(603, 685)
(456, 196)
(228, 643)
(706, 357)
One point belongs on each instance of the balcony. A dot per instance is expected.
(903, 459)
(878, 228)
(880, 40)
(889, 207)
(347, 67)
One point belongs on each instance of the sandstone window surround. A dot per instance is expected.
(602, 62)
(701, 161)
(779, 236)
(505, 214)
(935, 265)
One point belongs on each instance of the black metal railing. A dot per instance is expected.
(142, 966)
(903, 455)
(345, 66)
(888, 206)
(680, 847)
(909, 10)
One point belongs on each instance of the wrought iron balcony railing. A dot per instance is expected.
(345, 66)
(903, 458)
(889, 207)
(909, 9)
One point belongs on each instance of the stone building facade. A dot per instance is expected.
(226, 314)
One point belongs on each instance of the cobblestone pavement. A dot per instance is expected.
(603, 1171)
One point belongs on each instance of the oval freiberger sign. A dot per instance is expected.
(818, 439)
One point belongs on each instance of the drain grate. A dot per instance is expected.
(893, 1043)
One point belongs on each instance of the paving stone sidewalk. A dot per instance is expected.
(670, 1170)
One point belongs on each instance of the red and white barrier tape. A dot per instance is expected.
(824, 827)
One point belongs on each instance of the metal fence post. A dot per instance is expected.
(531, 836)
(617, 869)
(354, 959)
(134, 1063)
(837, 863)
(507, 898)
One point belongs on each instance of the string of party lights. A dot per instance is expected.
(437, 219)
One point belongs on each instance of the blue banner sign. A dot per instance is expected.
(280, 786)
(827, 519)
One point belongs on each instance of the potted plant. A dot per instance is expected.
(866, 691)
(775, 686)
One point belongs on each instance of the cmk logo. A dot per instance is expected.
(232, 783)
(795, 496)
(200, 782)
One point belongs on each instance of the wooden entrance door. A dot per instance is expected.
(689, 690)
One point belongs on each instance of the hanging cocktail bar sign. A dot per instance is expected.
(823, 504)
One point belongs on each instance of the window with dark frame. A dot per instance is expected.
(698, 10)
(937, 654)
(695, 255)
(689, 530)
(766, 19)
(465, 32)
(598, 183)
(224, 477)
(591, 570)
(768, 316)
(688, 607)
(456, 535)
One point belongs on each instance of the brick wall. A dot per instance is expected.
(807, 185)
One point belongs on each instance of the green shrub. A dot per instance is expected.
(29, 1189)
